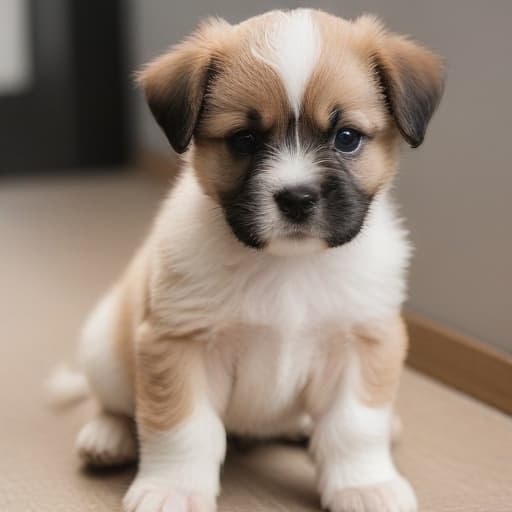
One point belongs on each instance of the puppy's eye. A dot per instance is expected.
(348, 140)
(243, 143)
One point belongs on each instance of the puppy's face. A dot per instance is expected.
(295, 118)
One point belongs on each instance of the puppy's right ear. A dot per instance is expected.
(175, 83)
(411, 77)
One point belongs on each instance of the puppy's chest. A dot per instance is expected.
(260, 373)
(272, 329)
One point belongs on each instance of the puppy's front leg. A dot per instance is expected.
(352, 437)
(182, 439)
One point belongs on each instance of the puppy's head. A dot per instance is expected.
(295, 118)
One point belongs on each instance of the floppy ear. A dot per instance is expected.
(411, 76)
(175, 83)
(413, 81)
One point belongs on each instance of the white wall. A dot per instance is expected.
(454, 189)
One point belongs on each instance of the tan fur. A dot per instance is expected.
(346, 79)
(165, 367)
(381, 349)
(133, 306)
(168, 373)
(325, 380)
(246, 87)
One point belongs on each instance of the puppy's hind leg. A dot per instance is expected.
(109, 438)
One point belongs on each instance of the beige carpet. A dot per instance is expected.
(61, 243)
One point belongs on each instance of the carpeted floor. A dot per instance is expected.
(62, 241)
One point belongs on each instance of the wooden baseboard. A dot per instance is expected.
(461, 362)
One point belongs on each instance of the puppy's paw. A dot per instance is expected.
(107, 440)
(143, 497)
(393, 496)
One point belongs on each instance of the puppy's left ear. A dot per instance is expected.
(412, 78)
(175, 83)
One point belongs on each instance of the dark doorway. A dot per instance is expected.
(73, 113)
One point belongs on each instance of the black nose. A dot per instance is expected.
(297, 203)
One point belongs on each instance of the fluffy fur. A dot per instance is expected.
(233, 318)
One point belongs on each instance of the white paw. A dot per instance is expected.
(393, 496)
(150, 498)
(107, 440)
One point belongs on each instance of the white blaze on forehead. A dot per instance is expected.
(292, 48)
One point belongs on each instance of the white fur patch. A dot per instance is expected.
(186, 458)
(107, 375)
(351, 443)
(293, 47)
(282, 246)
(289, 167)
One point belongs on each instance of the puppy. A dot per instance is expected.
(266, 299)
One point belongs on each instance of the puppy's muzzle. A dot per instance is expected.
(297, 203)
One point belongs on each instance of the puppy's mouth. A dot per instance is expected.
(294, 238)
(296, 232)
(295, 243)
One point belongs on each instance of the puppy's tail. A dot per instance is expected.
(66, 387)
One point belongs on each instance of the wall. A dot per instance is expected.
(455, 189)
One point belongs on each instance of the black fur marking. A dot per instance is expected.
(241, 206)
(345, 208)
